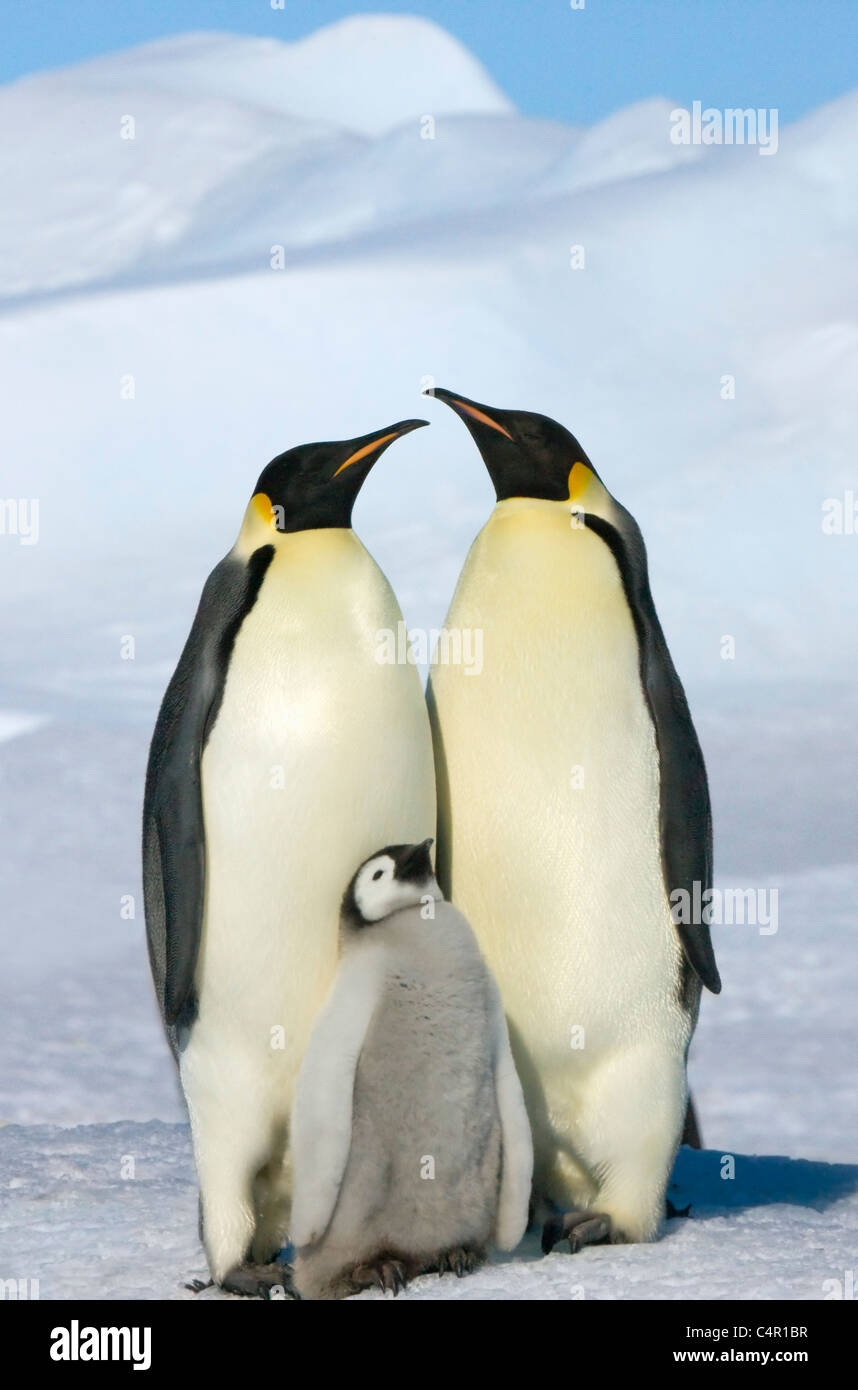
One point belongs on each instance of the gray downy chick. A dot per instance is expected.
(411, 1145)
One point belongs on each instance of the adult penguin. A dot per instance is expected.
(574, 825)
(285, 752)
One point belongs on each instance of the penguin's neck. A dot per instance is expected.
(544, 532)
(316, 546)
(319, 552)
(325, 584)
(528, 508)
(539, 565)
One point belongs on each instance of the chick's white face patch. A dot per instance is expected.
(374, 888)
(378, 891)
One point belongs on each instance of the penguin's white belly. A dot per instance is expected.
(318, 756)
(554, 796)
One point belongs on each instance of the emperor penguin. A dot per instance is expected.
(574, 825)
(411, 1144)
(284, 753)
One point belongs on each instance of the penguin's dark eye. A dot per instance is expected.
(378, 873)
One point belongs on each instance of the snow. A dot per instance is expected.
(109, 1212)
(365, 73)
(15, 722)
(408, 261)
(628, 143)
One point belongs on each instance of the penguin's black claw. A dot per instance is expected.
(459, 1261)
(580, 1228)
(390, 1276)
(552, 1233)
(197, 1285)
(394, 1276)
(272, 1281)
(671, 1211)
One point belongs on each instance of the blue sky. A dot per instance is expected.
(574, 65)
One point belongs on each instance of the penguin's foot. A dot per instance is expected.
(386, 1274)
(580, 1228)
(459, 1261)
(197, 1285)
(260, 1281)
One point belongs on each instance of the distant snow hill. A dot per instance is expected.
(300, 236)
(118, 1204)
(191, 152)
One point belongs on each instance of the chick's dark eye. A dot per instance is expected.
(378, 873)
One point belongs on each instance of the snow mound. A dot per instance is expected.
(366, 73)
(110, 1212)
(631, 142)
(199, 149)
(118, 202)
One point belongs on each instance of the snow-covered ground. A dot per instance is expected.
(109, 1211)
(143, 266)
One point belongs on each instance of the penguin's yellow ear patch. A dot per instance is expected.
(261, 504)
(580, 478)
(260, 523)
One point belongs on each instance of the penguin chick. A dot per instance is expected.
(410, 1139)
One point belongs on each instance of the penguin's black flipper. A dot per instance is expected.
(174, 853)
(685, 815)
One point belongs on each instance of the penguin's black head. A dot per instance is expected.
(526, 455)
(393, 878)
(316, 485)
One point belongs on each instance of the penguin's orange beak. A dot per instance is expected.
(467, 408)
(376, 443)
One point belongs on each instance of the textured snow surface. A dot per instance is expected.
(779, 1229)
